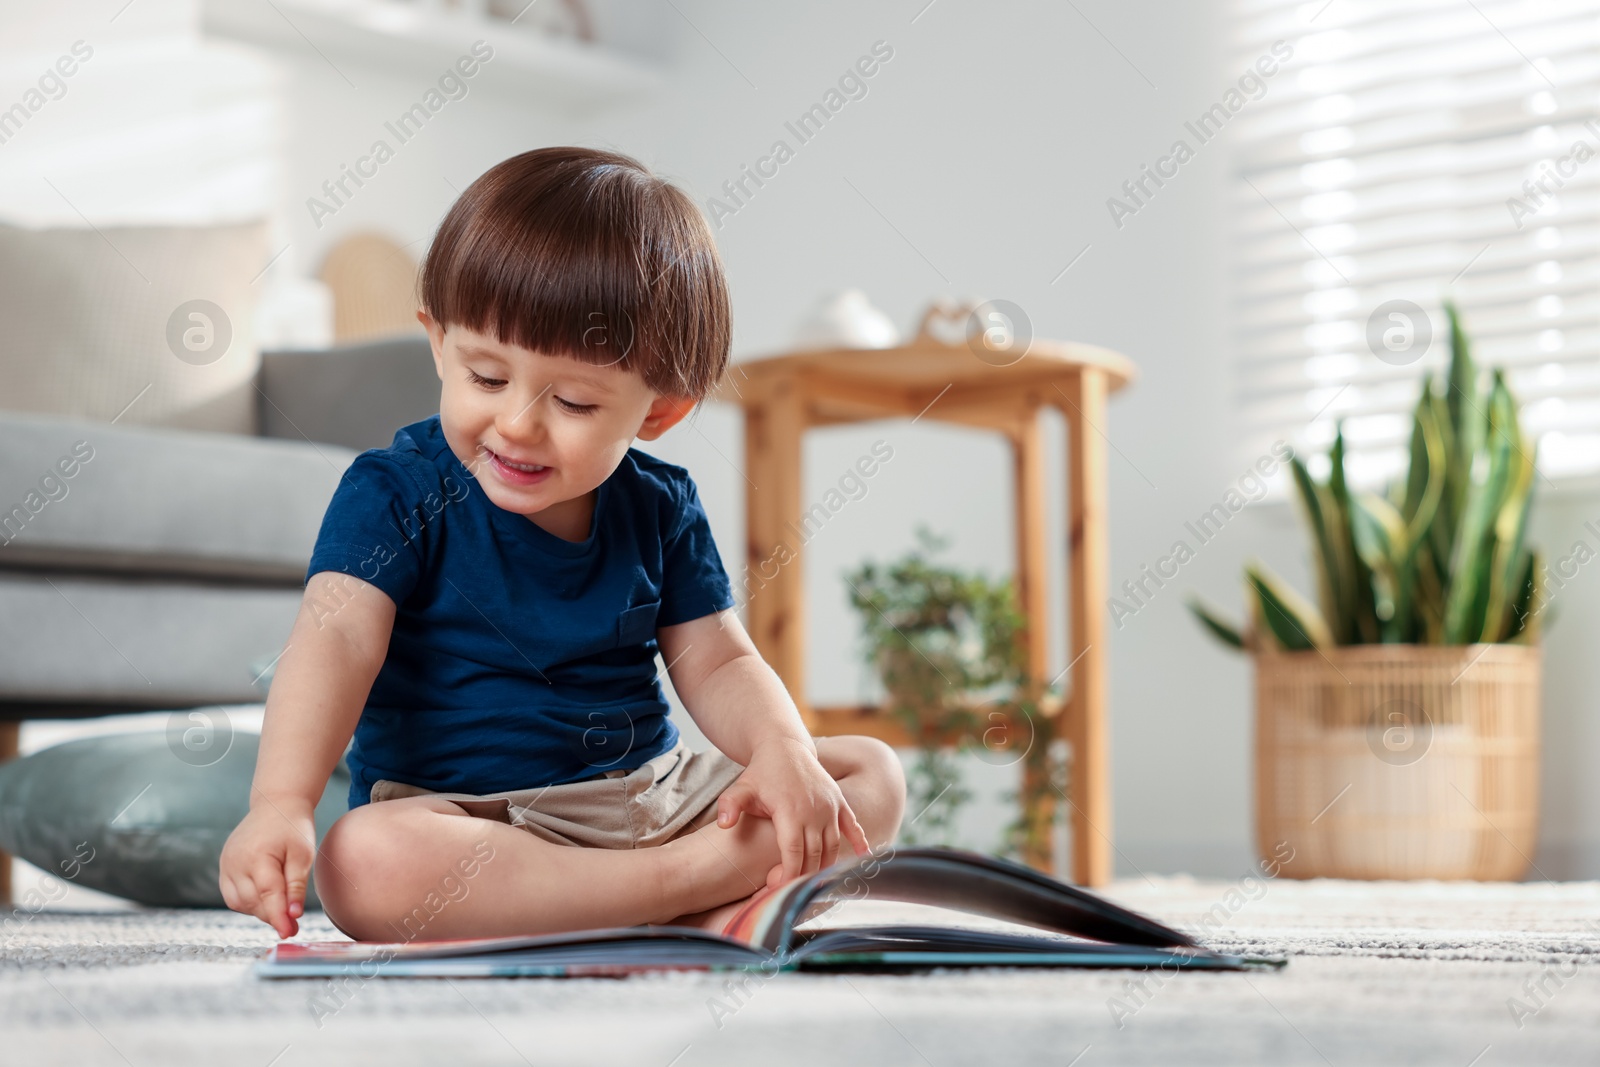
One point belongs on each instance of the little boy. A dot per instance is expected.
(487, 596)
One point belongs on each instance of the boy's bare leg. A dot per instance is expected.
(856, 763)
(398, 870)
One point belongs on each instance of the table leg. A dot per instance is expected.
(1033, 595)
(1089, 782)
(775, 533)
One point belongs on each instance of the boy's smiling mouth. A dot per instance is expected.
(515, 473)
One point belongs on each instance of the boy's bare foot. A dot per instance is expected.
(717, 919)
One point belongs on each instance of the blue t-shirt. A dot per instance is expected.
(518, 659)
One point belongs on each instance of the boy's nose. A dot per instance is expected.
(522, 422)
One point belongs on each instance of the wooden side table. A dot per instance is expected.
(783, 396)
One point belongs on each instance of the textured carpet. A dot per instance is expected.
(1380, 973)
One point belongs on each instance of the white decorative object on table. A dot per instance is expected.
(846, 320)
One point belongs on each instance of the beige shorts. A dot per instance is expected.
(674, 794)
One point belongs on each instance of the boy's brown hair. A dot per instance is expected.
(584, 253)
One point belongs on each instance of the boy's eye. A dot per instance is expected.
(576, 409)
(477, 379)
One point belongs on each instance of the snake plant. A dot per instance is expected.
(1437, 560)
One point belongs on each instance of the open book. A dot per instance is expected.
(1071, 928)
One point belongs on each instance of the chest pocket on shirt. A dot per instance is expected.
(638, 624)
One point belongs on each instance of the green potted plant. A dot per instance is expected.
(1397, 721)
(947, 647)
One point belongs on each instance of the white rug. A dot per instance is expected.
(1456, 974)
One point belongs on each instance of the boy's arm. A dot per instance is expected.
(334, 652)
(735, 698)
(338, 644)
(741, 705)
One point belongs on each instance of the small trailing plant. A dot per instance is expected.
(947, 646)
(1437, 560)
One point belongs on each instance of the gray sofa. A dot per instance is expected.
(153, 569)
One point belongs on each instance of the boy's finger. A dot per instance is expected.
(250, 901)
(297, 870)
(244, 891)
(230, 896)
(730, 804)
(814, 850)
(830, 844)
(791, 847)
(852, 831)
(274, 903)
(274, 911)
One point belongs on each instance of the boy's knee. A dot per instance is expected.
(875, 770)
(371, 871)
(892, 773)
(351, 839)
(884, 765)
(358, 864)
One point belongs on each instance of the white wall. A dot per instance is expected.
(152, 125)
(1569, 837)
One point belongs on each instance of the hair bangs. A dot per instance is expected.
(585, 254)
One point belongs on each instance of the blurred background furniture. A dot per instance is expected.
(783, 396)
(172, 559)
(374, 285)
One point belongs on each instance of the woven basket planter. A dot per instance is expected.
(1399, 761)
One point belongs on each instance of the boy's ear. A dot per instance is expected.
(435, 340)
(665, 413)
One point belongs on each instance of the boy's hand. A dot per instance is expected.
(266, 861)
(785, 783)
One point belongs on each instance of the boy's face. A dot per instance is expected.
(506, 409)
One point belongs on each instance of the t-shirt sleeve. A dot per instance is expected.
(372, 529)
(693, 581)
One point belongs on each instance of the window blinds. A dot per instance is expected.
(1413, 150)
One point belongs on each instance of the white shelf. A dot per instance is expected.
(420, 39)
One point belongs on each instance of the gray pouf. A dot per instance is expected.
(141, 816)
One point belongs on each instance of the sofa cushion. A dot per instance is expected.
(138, 816)
(308, 395)
(78, 645)
(87, 496)
(99, 323)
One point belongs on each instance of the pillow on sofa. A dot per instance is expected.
(94, 317)
(128, 815)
